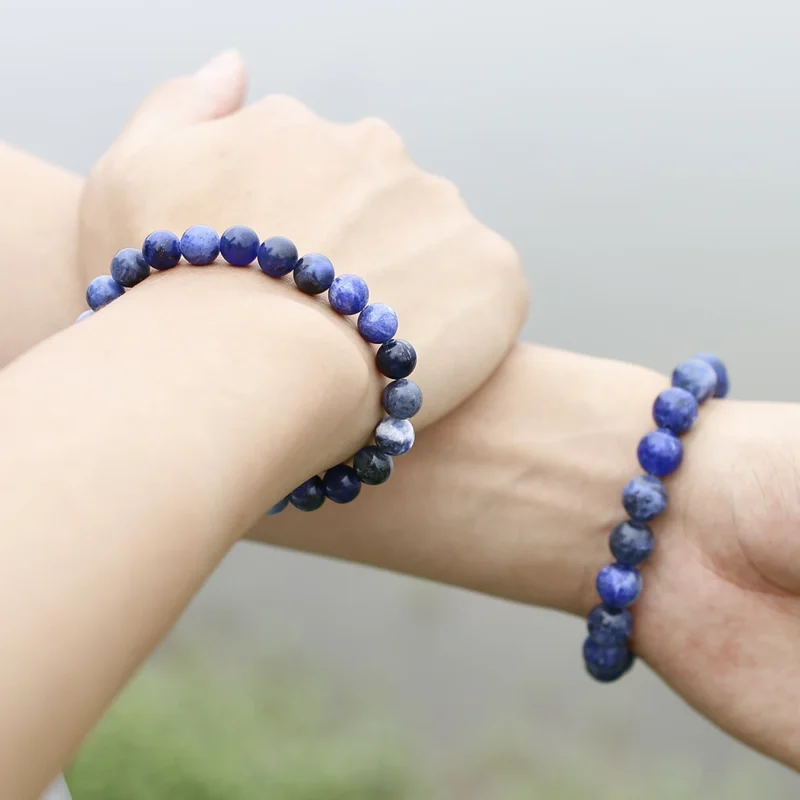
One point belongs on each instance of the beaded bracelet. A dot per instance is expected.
(313, 274)
(606, 651)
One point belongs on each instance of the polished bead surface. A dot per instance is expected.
(723, 383)
(611, 674)
(102, 290)
(239, 245)
(604, 657)
(619, 586)
(342, 484)
(277, 256)
(609, 626)
(675, 409)
(278, 507)
(660, 453)
(84, 315)
(200, 245)
(308, 496)
(402, 399)
(372, 466)
(162, 249)
(631, 543)
(128, 267)
(696, 376)
(396, 358)
(313, 273)
(644, 498)
(394, 436)
(377, 323)
(348, 294)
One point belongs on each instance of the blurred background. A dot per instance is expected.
(644, 159)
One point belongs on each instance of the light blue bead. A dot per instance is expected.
(348, 294)
(128, 267)
(618, 586)
(377, 323)
(697, 377)
(644, 498)
(313, 273)
(103, 290)
(723, 384)
(402, 399)
(277, 256)
(278, 507)
(660, 453)
(84, 315)
(394, 436)
(675, 409)
(239, 245)
(200, 245)
(161, 250)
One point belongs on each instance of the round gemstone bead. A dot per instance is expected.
(162, 250)
(394, 436)
(372, 466)
(342, 484)
(644, 498)
(660, 453)
(128, 267)
(102, 290)
(604, 657)
(697, 377)
(611, 674)
(396, 359)
(277, 256)
(609, 626)
(619, 586)
(723, 384)
(200, 245)
(348, 294)
(377, 323)
(308, 496)
(402, 399)
(631, 543)
(675, 409)
(84, 315)
(313, 273)
(239, 245)
(278, 507)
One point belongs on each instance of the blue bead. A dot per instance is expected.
(277, 256)
(162, 249)
(618, 586)
(604, 657)
(313, 273)
(675, 409)
(723, 384)
(372, 466)
(377, 323)
(697, 377)
(84, 315)
(394, 436)
(609, 626)
(239, 245)
(102, 290)
(612, 674)
(660, 453)
(308, 496)
(644, 498)
(396, 359)
(278, 507)
(402, 399)
(129, 268)
(348, 294)
(200, 245)
(342, 484)
(631, 543)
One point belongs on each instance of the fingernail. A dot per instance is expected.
(221, 68)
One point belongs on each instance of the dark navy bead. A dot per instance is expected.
(128, 267)
(697, 377)
(604, 657)
(402, 399)
(348, 294)
(675, 409)
(377, 323)
(313, 273)
(723, 384)
(162, 249)
(308, 496)
(102, 290)
(278, 507)
(84, 315)
(644, 498)
(660, 453)
(396, 359)
(394, 436)
(609, 626)
(239, 245)
(631, 543)
(342, 484)
(612, 674)
(372, 466)
(277, 256)
(618, 586)
(200, 245)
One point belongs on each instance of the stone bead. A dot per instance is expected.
(308, 496)
(697, 377)
(102, 290)
(631, 543)
(723, 384)
(377, 323)
(396, 358)
(604, 657)
(348, 295)
(239, 245)
(313, 273)
(162, 249)
(342, 484)
(394, 436)
(611, 674)
(277, 256)
(200, 245)
(619, 586)
(372, 466)
(278, 507)
(660, 453)
(84, 315)
(676, 410)
(609, 626)
(402, 399)
(128, 267)
(644, 498)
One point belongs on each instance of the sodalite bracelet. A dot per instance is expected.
(606, 650)
(313, 274)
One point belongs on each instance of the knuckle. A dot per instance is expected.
(282, 108)
(378, 136)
